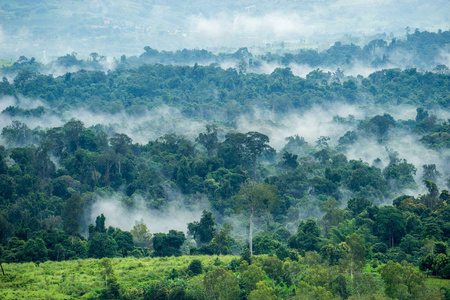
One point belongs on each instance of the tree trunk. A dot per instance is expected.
(250, 235)
(3, 271)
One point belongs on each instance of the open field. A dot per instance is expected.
(78, 279)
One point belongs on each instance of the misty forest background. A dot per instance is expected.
(342, 179)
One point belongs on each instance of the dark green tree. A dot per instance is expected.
(209, 139)
(390, 225)
(102, 245)
(72, 211)
(203, 231)
(168, 244)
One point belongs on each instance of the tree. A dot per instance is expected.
(102, 245)
(221, 284)
(1, 259)
(124, 241)
(273, 268)
(358, 204)
(430, 173)
(401, 282)
(341, 287)
(245, 149)
(222, 239)
(71, 213)
(141, 235)
(35, 250)
(168, 244)
(262, 292)
(441, 69)
(253, 197)
(307, 237)
(209, 139)
(290, 160)
(100, 224)
(72, 131)
(333, 215)
(111, 290)
(17, 134)
(430, 199)
(121, 145)
(203, 231)
(252, 276)
(356, 255)
(390, 225)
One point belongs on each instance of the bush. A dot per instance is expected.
(234, 264)
(195, 267)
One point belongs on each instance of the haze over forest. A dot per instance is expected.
(308, 131)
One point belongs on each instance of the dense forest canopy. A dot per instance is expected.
(308, 179)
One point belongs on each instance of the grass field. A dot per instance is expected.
(78, 279)
(82, 279)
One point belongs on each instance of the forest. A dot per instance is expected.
(170, 176)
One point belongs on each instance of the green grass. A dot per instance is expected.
(77, 279)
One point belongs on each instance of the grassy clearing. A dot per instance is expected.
(77, 279)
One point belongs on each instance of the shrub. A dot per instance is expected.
(195, 267)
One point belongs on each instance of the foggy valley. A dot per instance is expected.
(224, 150)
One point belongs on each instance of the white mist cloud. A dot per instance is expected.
(2, 35)
(310, 124)
(176, 215)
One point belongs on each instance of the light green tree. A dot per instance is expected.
(262, 292)
(111, 290)
(254, 197)
(402, 282)
(141, 235)
(356, 258)
(252, 276)
(221, 284)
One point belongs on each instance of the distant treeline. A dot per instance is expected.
(212, 93)
(422, 50)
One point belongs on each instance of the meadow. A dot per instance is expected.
(79, 279)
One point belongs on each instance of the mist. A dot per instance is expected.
(125, 27)
(176, 214)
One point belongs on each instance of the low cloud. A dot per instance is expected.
(175, 215)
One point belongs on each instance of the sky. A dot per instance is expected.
(52, 28)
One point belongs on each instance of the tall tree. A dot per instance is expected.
(390, 225)
(356, 258)
(254, 197)
(71, 213)
(209, 139)
(222, 238)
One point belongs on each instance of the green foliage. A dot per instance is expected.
(252, 276)
(401, 282)
(168, 244)
(221, 284)
(262, 292)
(141, 235)
(102, 245)
(307, 237)
(203, 231)
(195, 267)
